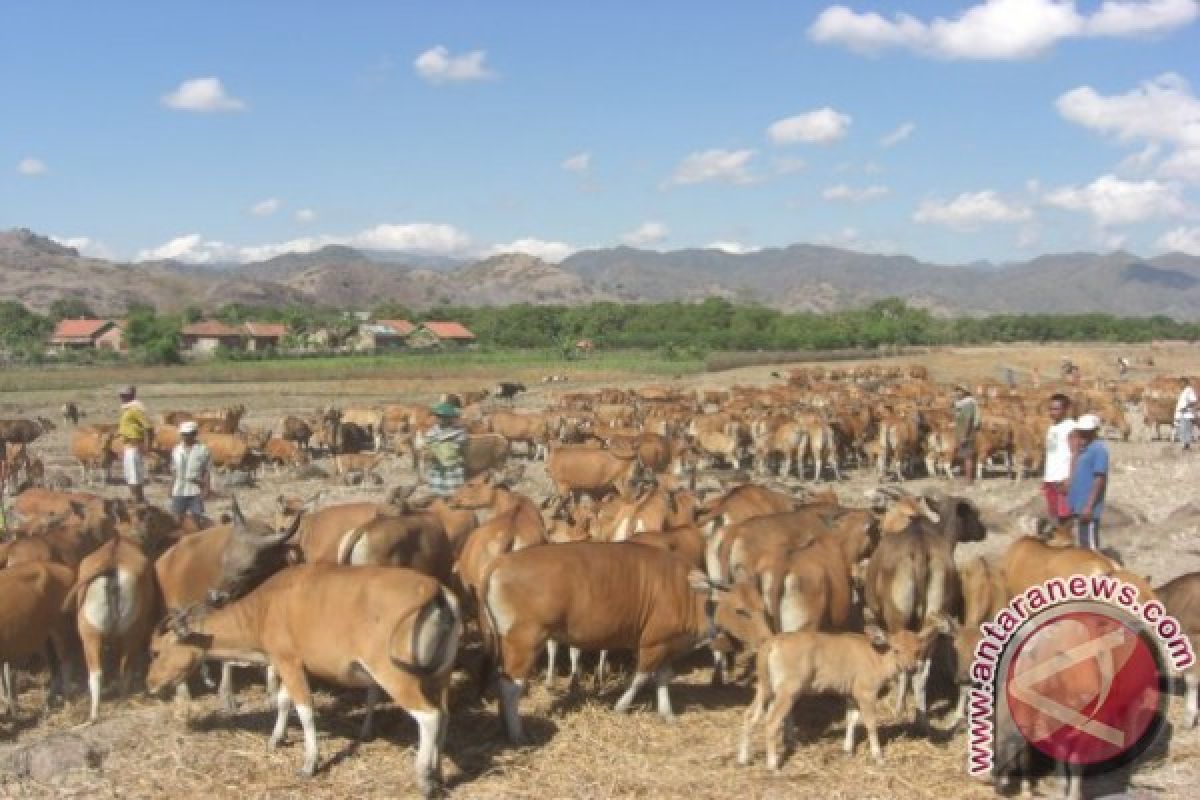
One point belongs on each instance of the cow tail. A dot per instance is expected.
(434, 638)
(488, 631)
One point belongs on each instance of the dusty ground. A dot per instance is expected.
(582, 749)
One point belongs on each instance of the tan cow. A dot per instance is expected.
(116, 602)
(93, 450)
(531, 430)
(578, 470)
(600, 596)
(31, 615)
(365, 627)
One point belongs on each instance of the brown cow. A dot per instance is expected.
(577, 470)
(603, 596)
(370, 627)
(31, 615)
(1181, 599)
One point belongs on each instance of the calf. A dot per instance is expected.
(853, 665)
(602, 596)
(370, 627)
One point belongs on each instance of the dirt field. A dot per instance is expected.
(581, 748)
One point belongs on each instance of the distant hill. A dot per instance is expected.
(36, 271)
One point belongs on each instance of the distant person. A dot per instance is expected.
(966, 425)
(1089, 481)
(445, 444)
(134, 430)
(1185, 412)
(190, 464)
(1122, 365)
(1058, 458)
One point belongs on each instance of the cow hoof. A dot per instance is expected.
(307, 771)
(273, 744)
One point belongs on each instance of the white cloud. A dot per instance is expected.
(998, 29)
(1182, 164)
(787, 165)
(1160, 110)
(578, 163)
(265, 208)
(552, 252)
(724, 166)
(646, 234)
(437, 65)
(31, 167)
(897, 136)
(821, 126)
(733, 248)
(203, 95)
(1180, 240)
(420, 237)
(1112, 201)
(849, 194)
(86, 246)
(305, 215)
(970, 210)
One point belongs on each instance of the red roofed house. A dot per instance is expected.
(383, 334)
(79, 334)
(265, 335)
(206, 337)
(441, 334)
(113, 338)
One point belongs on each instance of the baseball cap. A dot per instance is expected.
(1087, 422)
(188, 426)
(445, 410)
(128, 391)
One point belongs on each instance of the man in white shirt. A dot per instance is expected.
(1058, 458)
(190, 462)
(1185, 412)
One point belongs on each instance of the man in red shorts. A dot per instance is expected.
(1058, 458)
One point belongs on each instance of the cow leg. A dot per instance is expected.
(551, 659)
(778, 712)
(601, 668)
(718, 676)
(296, 684)
(853, 715)
(283, 704)
(431, 731)
(575, 653)
(662, 680)
(93, 652)
(867, 712)
(272, 680)
(920, 684)
(901, 691)
(960, 708)
(6, 686)
(365, 734)
(1191, 700)
(225, 690)
(640, 679)
(753, 716)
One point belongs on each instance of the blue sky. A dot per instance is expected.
(953, 131)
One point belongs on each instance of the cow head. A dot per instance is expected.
(175, 651)
(254, 552)
(736, 610)
(477, 493)
(960, 519)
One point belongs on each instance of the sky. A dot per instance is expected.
(951, 131)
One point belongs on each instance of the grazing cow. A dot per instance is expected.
(116, 602)
(854, 665)
(1181, 599)
(296, 430)
(531, 430)
(31, 615)
(285, 452)
(911, 576)
(602, 596)
(229, 450)
(370, 627)
(220, 563)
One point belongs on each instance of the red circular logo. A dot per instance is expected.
(1084, 687)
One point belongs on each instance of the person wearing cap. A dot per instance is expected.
(1089, 481)
(1058, 458)
(135, 433)
(444, 446)
(966, 425)
(190, 461)
(1185, 411)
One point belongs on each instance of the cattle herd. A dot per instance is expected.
(668, 520)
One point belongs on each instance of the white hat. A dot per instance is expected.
(1087, 422)
(189, 426)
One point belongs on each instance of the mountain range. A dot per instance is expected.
(36, 270)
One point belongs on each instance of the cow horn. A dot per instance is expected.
(275, 539)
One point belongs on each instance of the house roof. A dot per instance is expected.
(402, 327)
(211, 328)
(266, 329)
(80, 328)
(448, 330)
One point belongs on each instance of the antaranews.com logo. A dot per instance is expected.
(1079, 668)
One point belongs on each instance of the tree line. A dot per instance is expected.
(684, 329)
